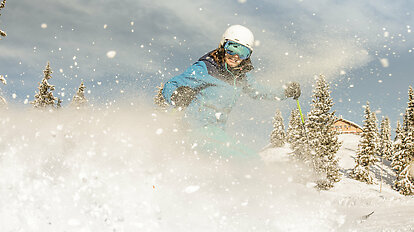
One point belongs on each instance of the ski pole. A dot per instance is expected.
(306, 134)
(300, 111)
(303, 121)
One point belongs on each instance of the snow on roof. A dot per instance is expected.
(347, 121)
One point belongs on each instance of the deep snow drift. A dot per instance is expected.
(129, 170)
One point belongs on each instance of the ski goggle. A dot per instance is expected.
(233, 48)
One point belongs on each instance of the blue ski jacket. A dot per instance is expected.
(217, 90)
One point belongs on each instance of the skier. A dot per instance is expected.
(207, 91)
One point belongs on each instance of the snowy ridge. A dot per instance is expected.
(129, 170)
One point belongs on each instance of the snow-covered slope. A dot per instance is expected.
(362, 207)
(391, 210)
(128, 170)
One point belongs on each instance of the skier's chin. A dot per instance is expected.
(232, 63)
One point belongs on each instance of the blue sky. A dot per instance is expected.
(365, 48)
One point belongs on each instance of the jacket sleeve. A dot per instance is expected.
(192, 77)
(260, 92)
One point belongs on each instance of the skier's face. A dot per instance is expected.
(235, 53)
(232, 60)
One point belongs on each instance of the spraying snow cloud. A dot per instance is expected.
(109, 170)
(155, 40)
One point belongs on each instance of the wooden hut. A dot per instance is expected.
(346, 127)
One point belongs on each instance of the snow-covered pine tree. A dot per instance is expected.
(44, 98)
(296, 137)
(398, 131)
(403, 159)
(386, 146)
(324, 141)
(79, 100)
(397, 148)
(404, 150)
(293, 125)
(159, 99)
(405, 182)
(2, 34)
(2, 5)
(278, 135)
(400, 157)
(409, 122)
(3, 80)
(3, 101)
(368, 148)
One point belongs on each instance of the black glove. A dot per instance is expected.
(293, 90)
(183, 96)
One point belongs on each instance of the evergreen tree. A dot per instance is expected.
(294, 124)
(296, 137)
(44, 98)
(403, 159)
(398, 131)
(404, 150)
(368, 148)
(409, 113)
(397, 148)
(405, 182)
(399, 159)
(278, 135)
(159, 99)
(386, 145)
(79, 100)
(2, 5)
(324, 141)
(2, 34)
(3, 101)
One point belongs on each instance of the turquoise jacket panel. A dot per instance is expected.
(218, 90)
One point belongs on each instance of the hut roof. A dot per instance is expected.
(348, 122)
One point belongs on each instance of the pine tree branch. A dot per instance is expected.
(3, 80)
(2, 5)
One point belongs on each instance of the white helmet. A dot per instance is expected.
(238, 34)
